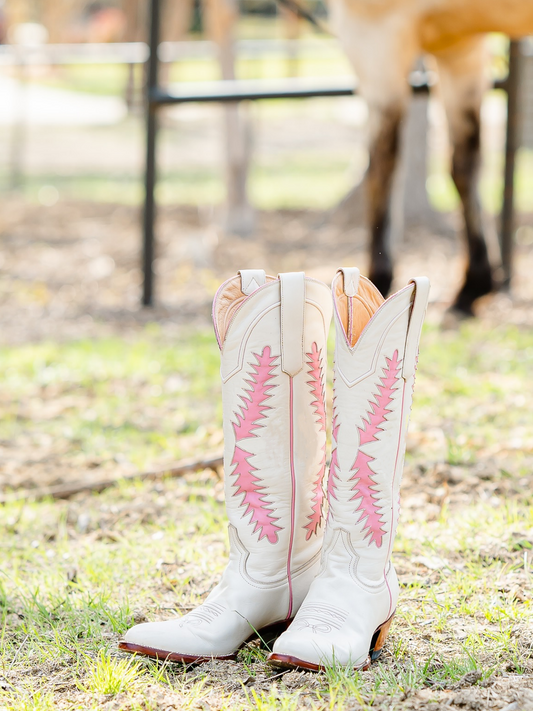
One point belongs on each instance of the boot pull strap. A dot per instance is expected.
(251, 279)
(292, 287)
(418, 312)
(351, 280)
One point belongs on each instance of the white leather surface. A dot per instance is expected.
(251, 279)
(274, 453)
(292, 322)
(351, 280)
(357, 590)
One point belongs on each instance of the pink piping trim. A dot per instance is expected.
(350, 319)
(392, 504)
(293, 494)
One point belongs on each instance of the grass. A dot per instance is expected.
(75, 574)
(109, 676)
(119, 400)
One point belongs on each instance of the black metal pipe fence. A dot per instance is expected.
(254, 90)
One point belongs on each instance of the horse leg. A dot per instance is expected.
(383, 159)
(382, 50)
(463, 80)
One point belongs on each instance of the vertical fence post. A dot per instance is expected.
(511, 144)
(150, 168)
(19, 135)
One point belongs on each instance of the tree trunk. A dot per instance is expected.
(292, 25)
(221, 16)
(136, 15)
(410, 207)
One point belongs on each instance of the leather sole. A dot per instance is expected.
(267, 635)
(286, 661)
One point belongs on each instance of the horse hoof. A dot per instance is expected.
(462, 307)
(476, 285)
(459, 312)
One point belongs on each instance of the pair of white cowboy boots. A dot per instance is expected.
(330, 584)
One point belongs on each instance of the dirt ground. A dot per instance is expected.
(73, 269)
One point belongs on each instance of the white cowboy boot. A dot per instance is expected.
(345, 618)
(272, 335)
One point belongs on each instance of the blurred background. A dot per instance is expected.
(95, 388)
(258, 185)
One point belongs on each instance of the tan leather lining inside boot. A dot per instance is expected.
(356, 311)
(227, 303)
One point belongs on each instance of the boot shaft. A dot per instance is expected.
(348, 609)
(272, 334)
(375, 360)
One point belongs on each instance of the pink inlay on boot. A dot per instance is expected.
(317, 385)
(252, 410)
(366, 488)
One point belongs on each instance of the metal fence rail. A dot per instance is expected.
(249, 48)
(57, 54)
(168, 52)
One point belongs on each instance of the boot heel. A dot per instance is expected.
(378, 640)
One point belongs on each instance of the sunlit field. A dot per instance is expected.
(77, 573)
